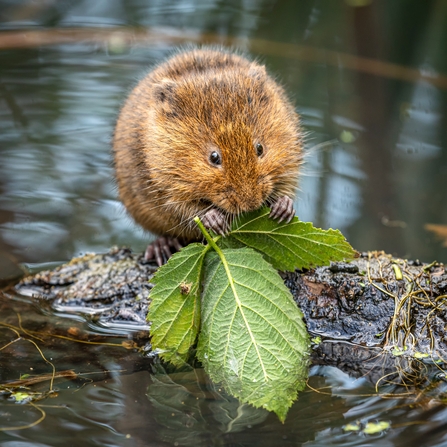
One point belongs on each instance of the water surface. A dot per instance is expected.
(370, 84)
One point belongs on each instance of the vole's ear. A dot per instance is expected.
(164, 91)
(164, 94)
(257, 71)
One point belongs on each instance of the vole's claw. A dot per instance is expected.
(283, 209)
(160, 249)
(214, 220)
(176, 244)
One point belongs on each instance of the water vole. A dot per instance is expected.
(208, 133)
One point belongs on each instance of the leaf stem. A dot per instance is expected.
(208, 237)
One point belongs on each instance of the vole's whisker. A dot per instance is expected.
(189, 220)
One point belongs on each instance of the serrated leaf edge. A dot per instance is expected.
(166, 353)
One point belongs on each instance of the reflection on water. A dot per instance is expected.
(374, 144)
(370, 84)
(119, 398)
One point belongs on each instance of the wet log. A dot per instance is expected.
(378, 316)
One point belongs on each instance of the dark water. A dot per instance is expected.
(369, 79)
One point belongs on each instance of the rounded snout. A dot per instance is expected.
(243, 199)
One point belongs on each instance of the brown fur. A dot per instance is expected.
(197, 102)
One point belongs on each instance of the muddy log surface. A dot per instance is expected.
(377, 316)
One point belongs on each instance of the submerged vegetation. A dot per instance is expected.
(37, 385)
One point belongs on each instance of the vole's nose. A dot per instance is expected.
(250, 198)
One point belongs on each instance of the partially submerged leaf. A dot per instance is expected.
(353, 426)
(372, 428)
(22, 396)
(253, 339)
(421, 355)
(288, 246)
(175, 307)
(397, 351)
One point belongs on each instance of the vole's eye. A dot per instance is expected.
(215, 158)
(259, 149)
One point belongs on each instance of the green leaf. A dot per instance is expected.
(372, 428)
(253, 339)
(175, 307)
(398, 351)
(288, 246)
(22, 396)
(353, 426)
(316, 340)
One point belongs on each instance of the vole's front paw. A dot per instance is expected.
(160, 249)
(215, 220)
(283, 209)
